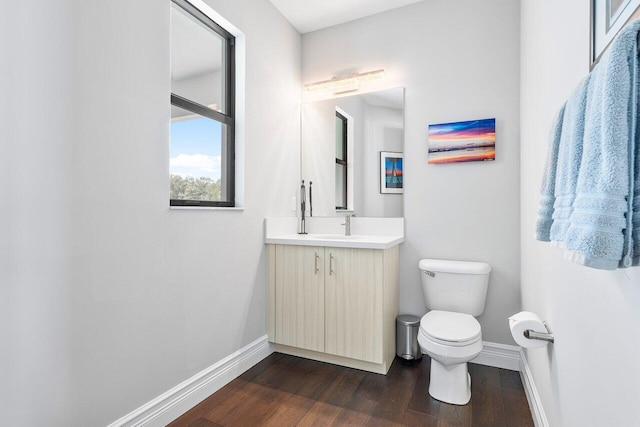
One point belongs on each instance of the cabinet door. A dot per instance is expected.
(299, 300)
(354, 279)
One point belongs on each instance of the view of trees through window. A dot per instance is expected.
(192, 188)
(195, 163)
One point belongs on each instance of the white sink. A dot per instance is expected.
(333, 237)
(369, 233)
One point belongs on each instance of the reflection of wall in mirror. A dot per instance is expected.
(385, 133)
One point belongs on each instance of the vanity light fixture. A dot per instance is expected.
(345, 84)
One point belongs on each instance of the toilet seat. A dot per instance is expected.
(450, 328)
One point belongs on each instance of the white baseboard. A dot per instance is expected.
(499, 356)
(175, 402)
(535, 403)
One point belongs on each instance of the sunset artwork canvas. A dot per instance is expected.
(470, 141)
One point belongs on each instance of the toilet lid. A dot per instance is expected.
(450, 327)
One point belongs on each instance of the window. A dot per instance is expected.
(341, 161)
(202, 152)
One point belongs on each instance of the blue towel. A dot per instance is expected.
(600, 232)
(547, 190)
(590, 198)
(634, 237)
(635, 234)
(569, 161)
(636, 217)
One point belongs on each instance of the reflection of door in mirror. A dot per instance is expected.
(341, 143)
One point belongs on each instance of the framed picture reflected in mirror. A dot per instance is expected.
(391, 172)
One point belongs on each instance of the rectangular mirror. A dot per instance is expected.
(342, 139)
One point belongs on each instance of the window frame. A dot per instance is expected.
(228, 161)
(345, 124)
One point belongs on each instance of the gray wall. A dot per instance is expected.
(458, 61)
(107, 297)
(36, 130)
(590, 376)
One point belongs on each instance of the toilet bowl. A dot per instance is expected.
(455, 292)
(451, 340)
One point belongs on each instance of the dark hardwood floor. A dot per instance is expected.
(290, 391)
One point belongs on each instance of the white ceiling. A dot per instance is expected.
(311, 15)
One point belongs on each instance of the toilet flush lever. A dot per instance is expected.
(430, 273)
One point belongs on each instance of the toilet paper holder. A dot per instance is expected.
(542, 336)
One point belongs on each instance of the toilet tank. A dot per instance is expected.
(459, 286)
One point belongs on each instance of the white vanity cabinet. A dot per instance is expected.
(334, 304)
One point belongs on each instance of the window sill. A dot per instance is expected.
(207, 208)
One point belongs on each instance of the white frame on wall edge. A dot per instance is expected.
(605, 25)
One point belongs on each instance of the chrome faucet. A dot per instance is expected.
(347, 225)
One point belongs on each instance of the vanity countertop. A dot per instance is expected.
(337, 240)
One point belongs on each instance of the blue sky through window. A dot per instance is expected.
(195, 148)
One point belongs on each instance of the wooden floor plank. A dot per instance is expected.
(510, 380)
(283, 376)
(320, 414)
(421, 401)
(413, 418)
(225, 397)
(316, 378)
(343, 386)
(487, 404)
(289, 412)
(356, 412)
(253, 405)
(514, 399)
(372, 387)
(262, 366)
(201, 422)
(285, 390)
(455, 416)
(398, 392)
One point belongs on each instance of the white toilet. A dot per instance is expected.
(455, 292)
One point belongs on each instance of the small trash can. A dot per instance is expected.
(407, 348)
